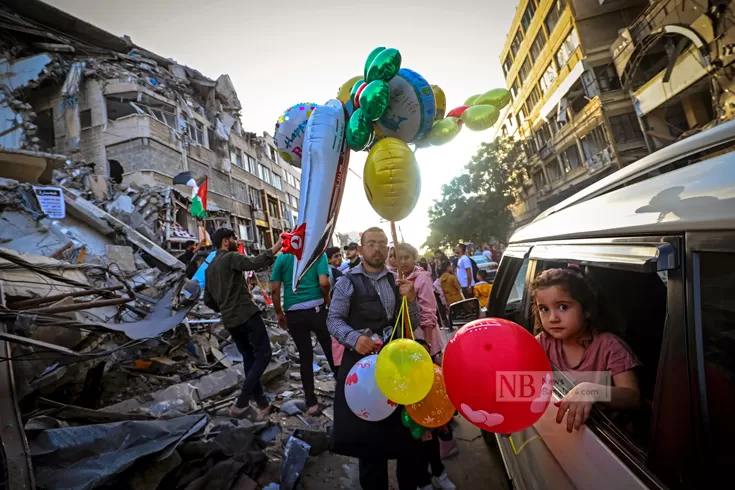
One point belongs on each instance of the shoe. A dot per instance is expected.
(443, 482)
(447, 448)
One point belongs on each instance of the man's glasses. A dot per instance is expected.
(374, 245)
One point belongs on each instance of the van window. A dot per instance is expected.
(636, 306)
(511, 285)
(717, 315)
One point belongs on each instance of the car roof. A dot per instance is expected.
(696, 197)
(710, 138)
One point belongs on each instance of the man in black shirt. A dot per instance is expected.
(191, 248)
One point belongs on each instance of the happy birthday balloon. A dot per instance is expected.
(392, 179)
(384, 66)
(362, 393)
(441, 101)
(443, 131)
(497, 97)
(290, 130)
(343, 94)
(404, 371)
(480, 117)
(374, 99)
(412, 107)
(510, 384)
(436, 409)
(359, 131)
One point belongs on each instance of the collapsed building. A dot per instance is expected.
(71, 91)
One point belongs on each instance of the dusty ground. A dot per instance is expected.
(475, 467)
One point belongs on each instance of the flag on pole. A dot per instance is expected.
(198, 207)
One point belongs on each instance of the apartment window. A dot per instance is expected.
(543, 135)
(516, 44)
(164, 114)
(539, 181)
(521, 116)
(245, 230)
(538, 45)
(533, 98)
(277, 182)
(291, 180)
(264, 173)
(553, 16)
(255, 200)
(525, 70)
(298, 184)
(85, 119)
(507, 64)
(607, 78)
(251, 165)
(236, 157)
(528, 15)
(625, 128)
(44, 121)
(273, 208)
(553, 171)
(284, 210)
(294, 201)
(554, 123)
(194, 129)
(548, 78)
(594, 142)
(567, 49)
(570, 158)
(273, 153)
(514, 89)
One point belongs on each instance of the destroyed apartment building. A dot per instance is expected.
(112, 372)
(72, 92)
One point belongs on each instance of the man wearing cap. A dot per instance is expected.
(225, 291)
(353, 257)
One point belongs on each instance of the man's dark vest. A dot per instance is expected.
(366, 309)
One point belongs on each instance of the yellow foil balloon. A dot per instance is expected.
(404, 371)
(498, 97)
(471, 100)
(480, 117)
(443, 131)
(343, 94)
(441, 102)
(392, 179)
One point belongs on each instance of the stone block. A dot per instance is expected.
(122, 256)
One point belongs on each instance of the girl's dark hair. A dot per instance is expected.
(407, 248)
(444, 265)
(582, 289)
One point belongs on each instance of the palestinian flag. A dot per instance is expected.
(198, 207)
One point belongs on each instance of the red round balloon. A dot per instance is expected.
(457, 111)
(497, 375)
(356, 101)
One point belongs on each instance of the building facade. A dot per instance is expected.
(676, 62)
(141, 119)
(568, 107)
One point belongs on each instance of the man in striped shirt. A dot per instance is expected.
(365, 303)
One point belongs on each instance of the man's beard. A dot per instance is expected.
(375, 262)
(232, 247)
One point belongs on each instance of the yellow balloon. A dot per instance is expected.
(471, 100)
(498, 97)
(392, 179)
(443, 131)
(441, 101)
(343, 94)
(480, 117)
(404, 371)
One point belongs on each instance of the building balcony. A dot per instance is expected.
(139, 126)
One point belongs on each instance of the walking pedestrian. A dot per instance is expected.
(225, 291)
(366, 303)
(306, 312)
(464, 271)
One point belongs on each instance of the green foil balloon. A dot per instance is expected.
(443, 131)
(359, 131)
(417, 431)
(374, 99)
(471, 100)
(385, 66)
(498, 97)
(355, 87)
(480, 117)
(371, 57)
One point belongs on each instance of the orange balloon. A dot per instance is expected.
(436, 408)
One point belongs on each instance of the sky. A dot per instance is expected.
(280, 53)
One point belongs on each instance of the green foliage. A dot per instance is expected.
(476, 205)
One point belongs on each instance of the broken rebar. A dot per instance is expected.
(58, 297)
(81, 306)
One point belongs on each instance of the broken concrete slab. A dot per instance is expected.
(20, 281)
(318, 439)
(277, 335)
(122, 256)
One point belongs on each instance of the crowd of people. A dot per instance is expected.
(351, 306)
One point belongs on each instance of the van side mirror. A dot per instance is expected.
(463, 312)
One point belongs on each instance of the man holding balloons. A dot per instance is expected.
(365, 305)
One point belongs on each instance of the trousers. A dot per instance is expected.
(251, 339)
(374, 472)
(300, 325)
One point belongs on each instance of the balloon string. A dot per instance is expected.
(398, 321)
(407, 316)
